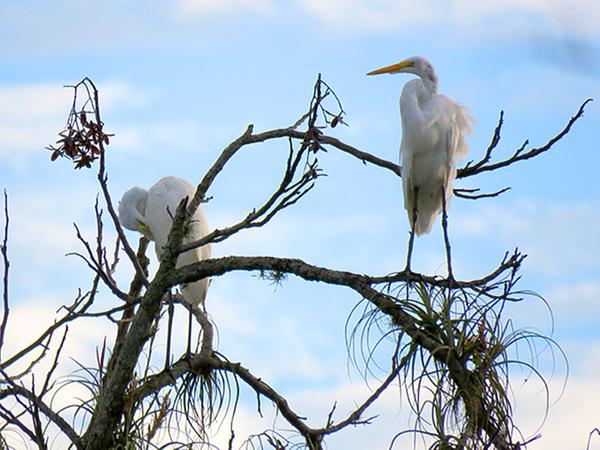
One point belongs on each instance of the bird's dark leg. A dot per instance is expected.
(446, 239)
(188, 352)
(411, 238)
(170, 313)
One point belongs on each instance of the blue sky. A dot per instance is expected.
(180, 79)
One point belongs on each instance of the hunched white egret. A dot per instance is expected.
(150, 212)
(433, 129)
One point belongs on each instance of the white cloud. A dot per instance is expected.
(579, 300)
(33, 101)
(556, 237)
(569, 420)
(30, 317)
(315, 404)
(390, 15)
(381, 14)
(42, 222)
(567, 425)
(207, 8)
(184, 135)
(32, 115)
(323, 241)
(41, 233)
(30, 118)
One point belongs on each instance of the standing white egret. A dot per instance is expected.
(151, 213)
(433, 129)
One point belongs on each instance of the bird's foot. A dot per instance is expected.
(188, 356)
(450, 279)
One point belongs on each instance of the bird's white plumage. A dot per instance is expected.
(433, 129)
(131, 209)
(151, 212)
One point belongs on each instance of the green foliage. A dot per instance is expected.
(466, 323)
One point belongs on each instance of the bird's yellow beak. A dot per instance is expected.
(394, 68)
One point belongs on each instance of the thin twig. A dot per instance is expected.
(469, 193)
(288, 193)
(491, 147)
(96, 265)
(48, 378)
(217, 167)
(43, 340)
(355, 417)
(19, 391)
(6, 266)
(519, 155)
(201, 363)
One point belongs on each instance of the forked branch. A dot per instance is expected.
(484, 165)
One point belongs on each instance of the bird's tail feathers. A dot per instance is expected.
(425, 222)
(428, 209)
(195, 292)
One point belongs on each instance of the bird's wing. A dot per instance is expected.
(407, 182)
(196, 292)
(457, 123)
(163, 198)
(461, 123)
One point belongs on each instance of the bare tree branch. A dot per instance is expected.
(388, 305)
(83, 141)
(470, 193)
(519, 155)
(13, 419)
(18, 391)
(6, 265)
(201, 363)
(355, 417)
(44, 339)
(220, 266)
(217, 167)
(291, 132)
(111, 401)
(134, 291)
(291, 189)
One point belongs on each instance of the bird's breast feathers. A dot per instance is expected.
(440, 117)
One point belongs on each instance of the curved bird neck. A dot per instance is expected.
(430, 82)
(414, 94)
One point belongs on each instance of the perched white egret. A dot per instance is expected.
(433, 129)
(151, 213)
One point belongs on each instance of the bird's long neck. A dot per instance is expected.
(411, 110)
(414, 93)
(430, 82)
